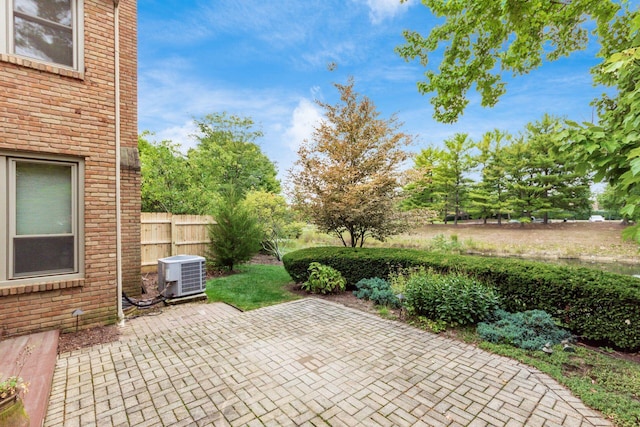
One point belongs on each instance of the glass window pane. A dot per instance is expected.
(43, 255)
(35, 40)
(44, 199)
(58, 11)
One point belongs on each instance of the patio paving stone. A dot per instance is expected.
(307, 362)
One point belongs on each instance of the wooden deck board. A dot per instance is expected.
(37, 369)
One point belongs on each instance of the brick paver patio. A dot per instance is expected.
(307, 362)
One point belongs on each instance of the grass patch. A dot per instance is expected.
(255, 286)
(386, 313)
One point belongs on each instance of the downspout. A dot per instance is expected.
(116, 38)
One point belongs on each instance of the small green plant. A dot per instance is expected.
(15, 385)
(455, 299)
(529, 330)
(324, 280)
(440, 243)
(12, 386)
(422, 322)
(377, 290)
(386, 313)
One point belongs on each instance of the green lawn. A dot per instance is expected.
(255, 286)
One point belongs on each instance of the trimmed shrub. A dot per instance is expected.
(324, 280)
(377, 290)
(452, 298)
(529, 330)
(593, 304)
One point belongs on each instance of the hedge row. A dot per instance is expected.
(598, 306)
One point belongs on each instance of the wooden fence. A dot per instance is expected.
(164, 235)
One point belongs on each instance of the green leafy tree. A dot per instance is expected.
(451, 175)
(275, 218)
(611, 202)
(541, 178)
(420, 187)
(485, 38)
(235, 235)
(227, 154)
(165, 182)
(346, 177)
(521, 196)
(612, 147)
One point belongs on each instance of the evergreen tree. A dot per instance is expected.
(236, 235)
(440, 178)
(489, 197)
(553, 174)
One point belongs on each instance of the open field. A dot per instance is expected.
(586, 241)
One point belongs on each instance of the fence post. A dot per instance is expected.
(174, 235)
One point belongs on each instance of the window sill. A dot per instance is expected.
(42, 66)
(39, 287)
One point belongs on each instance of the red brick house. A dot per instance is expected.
(69, 170)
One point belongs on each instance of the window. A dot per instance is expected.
(42, 217)
(43, 30)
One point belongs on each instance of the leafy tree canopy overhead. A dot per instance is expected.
(483, 39)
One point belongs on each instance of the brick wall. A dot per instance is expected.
(130, 163)
(60, 112)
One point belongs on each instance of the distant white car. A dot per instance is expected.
(596, 218)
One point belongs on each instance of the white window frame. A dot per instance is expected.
(8, 220)
(7, 39)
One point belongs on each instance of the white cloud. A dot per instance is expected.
(379, 10)
(304, 119)
(181, 134)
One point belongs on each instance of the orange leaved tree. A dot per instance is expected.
(346, 178)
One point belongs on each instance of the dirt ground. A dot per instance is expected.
(579, 239)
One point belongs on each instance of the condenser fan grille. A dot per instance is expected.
(192, 277)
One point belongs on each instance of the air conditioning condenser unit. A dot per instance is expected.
(181, 275)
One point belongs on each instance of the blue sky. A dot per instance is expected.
(268, 60)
